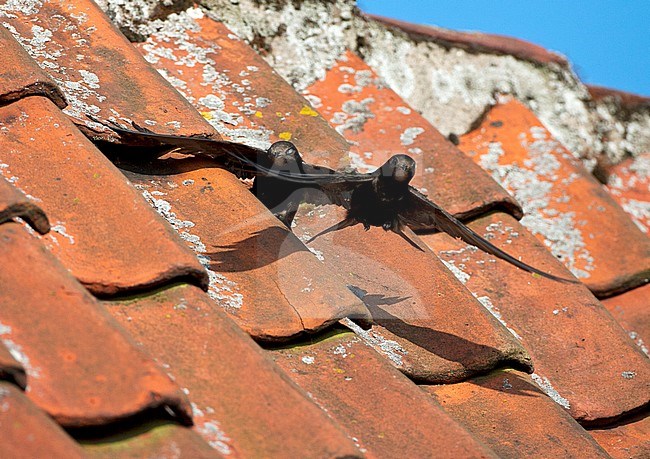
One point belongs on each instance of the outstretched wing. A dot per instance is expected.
(420, 214)
(237, 158)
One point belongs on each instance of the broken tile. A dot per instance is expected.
(97, 68)
(425, 322)
(27, 432)
(85, 197)
(564, 205)
(151, 440)
(260, 273)
(477, 41)
(378, 124)
(81, 368)
(380, 409)
(14, 204)
(630, 309)
(492, 408)
(629, 184)
(21, 77)
(10, 369)
(630, 440)
(582, 357)
(243, 404)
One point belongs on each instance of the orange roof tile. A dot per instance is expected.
(20, 76)
(70, 179)
(629, 184)
(425, 321)
(242, 404)
(14, 204)
(99, 71)
(378, 124)
(492, 407)
(630, 309)
(628, 441)
(384, 413)
(582, 357)
(27, 432)
(565, 206)
(63, 338)
(259, 272)
(477, 41)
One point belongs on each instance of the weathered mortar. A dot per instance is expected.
(452, 87)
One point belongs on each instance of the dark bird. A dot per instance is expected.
(385, 198)
(283, 180)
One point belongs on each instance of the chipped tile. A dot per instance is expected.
(84, 196)
(578, 350)
(565, 207)
(380, 409)
(242, 403)
(27, 432)
(67, 336)
(492, 408)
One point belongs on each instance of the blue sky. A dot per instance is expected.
(607, 42)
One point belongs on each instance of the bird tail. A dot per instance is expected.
(348, 221)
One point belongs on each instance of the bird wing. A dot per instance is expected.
(421, 214)
(237, 158)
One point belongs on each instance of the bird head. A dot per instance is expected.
(401, 168)
(285, 156)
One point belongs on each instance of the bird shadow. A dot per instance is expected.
(445, 345)
(259, 249)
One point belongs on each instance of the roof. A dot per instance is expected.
(168, 313)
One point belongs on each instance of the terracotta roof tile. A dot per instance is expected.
(426, 323)
(565, 206)
(477, 41)
(70, 347)
(236, 90)
(260, 273)
(99, 71)
(624, 99)
(582, 357)
(14, 204)
(379, 124)
(242, 403)
(630, 309)
(629, 184)
(492, 408)
(628, 441)
(389, 419)
(20, 76)
(151, 440)
(10, 369)
(27, 432)
(71, 180)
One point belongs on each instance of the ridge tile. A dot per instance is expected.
(10, 369)
(629, 184)
(13, 203)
